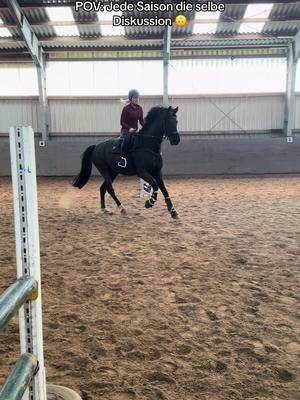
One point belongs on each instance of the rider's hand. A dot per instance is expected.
(131, 130)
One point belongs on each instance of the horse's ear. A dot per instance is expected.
(176, 109)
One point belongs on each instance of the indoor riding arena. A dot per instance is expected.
(180, 285)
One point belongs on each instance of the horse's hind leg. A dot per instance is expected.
(103, 189)
(102, 195)
(109, 176)
(111, 191)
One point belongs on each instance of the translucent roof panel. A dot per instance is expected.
(4, 32)
(107, 16)
(208, 15)
(205, 28)
(258, 10)
(66, 30)
(60, 14)
(110, 30)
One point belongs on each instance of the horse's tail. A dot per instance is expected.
(86, 168)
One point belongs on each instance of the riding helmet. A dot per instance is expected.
(133, 93)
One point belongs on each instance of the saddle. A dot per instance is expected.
(116, 146)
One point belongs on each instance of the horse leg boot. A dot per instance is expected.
(149, 179)
(165, 193)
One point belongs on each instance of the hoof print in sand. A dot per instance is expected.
(284, 375)
(211, 315)
(154, 354)
(183, 350)
(220, 367)
(152, 393)
(159, 377)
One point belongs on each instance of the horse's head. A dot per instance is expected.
(160, 123)
(171, 131)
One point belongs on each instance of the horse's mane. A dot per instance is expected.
(152, 115)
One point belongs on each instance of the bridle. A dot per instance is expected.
(164, 130)
(165, 135)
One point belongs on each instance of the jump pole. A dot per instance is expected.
(23, 171)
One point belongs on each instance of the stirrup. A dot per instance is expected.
(124, 165)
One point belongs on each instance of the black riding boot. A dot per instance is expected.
(124, 150)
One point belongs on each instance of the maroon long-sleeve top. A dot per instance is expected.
(131, 115)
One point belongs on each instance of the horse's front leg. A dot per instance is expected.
(165, 193)
(151, 180)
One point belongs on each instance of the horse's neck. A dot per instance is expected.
(152, 138)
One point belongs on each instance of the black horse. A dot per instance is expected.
(144, 158)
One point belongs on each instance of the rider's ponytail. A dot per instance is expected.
(124, 101)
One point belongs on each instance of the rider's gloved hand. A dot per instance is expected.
(131, 130)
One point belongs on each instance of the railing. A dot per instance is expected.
(19, 378)
(14, 297)
(22, 290)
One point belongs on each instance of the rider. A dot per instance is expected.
(132, 114)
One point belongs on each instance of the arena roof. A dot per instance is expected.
(262, 28)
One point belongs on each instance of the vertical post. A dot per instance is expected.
(37, 54)
(289, 111)
(43, 109)
(166, 60)
(23, 170)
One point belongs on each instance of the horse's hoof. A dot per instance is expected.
(174, 214)
(122, 209)
(148, 204)
(106, 211)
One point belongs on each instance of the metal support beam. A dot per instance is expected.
(37, 54)
(166, 60)
(296, 44)
(43, 124)
(30, 38)
(289, 110)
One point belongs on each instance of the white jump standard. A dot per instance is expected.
(27, 380)
(23, 170)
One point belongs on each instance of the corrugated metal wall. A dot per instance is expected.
(243, 113)
(18, 112)
(89, 115)
(207, 114)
